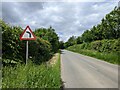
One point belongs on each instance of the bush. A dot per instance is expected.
(95, 45)
(102, 46)
(14, 50)
(116, 46)
(11, 45)
(108, 50)
(49, 35)
(40, 50)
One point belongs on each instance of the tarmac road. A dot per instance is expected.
(80, 71)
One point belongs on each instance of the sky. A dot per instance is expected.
(67, 18)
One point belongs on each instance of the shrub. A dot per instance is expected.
(11, 45)
(101, 46)
(14, 50)
(40, 50)
(107, 50)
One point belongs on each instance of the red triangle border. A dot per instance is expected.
(27, 38)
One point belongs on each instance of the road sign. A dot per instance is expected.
(27, 34)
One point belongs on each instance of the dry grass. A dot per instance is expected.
(54, 59)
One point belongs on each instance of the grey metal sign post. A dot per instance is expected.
(26, 51)
(27, 35)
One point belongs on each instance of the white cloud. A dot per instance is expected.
(67, 18)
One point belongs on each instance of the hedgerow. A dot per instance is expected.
(108, 50)
(14, 50)
(101, 46)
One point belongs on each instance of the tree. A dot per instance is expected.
(71, 41)
(61, 45)
(87, 36)
(109, 28)
(79, 40)
(49, 35)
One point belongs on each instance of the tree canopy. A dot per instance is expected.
(108, 28)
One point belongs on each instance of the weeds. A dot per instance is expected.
(31, 76)
(109, 57)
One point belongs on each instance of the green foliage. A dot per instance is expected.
(109, 28)
(109, 57)
(106, 45)
(79, 40)
(71, 41)
(61, 45)
(31, 76)
(87, 36)
(102, 45)
(18, 75)
(107, 50)
(11, 45)
(49, 35)
(40, 50)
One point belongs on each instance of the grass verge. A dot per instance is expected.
(32, 76)
(109, 57)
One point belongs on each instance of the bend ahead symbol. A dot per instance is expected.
(29, 33)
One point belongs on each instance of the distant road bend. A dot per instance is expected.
(80, 71)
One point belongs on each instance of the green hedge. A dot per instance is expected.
(101, 46)
(40, 50)
(106, 45)
(107, 50)
(11, 45)
(14, 50)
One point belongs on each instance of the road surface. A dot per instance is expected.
(80, 71)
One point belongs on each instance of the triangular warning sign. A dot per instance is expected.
(27, 34)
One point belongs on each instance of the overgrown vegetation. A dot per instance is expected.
(36, 74)
(32, 76)
(108, 50)
(50, 36)
(109, 28)
(40, 50)
(101, 41)
(101, 46)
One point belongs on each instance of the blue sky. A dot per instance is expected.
(67, 18)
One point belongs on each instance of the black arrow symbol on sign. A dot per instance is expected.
(29, 33)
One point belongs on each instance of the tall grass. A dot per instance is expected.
(32, 76)
(109, 57)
